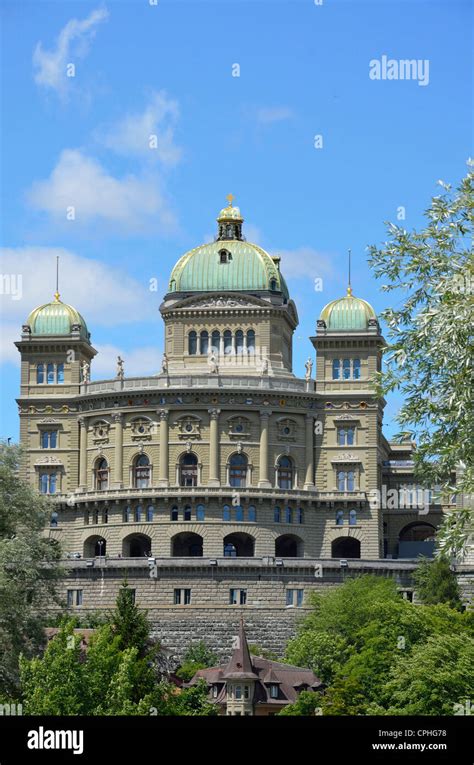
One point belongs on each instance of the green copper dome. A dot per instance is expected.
(228, 264)
(348, 313)
(56, 318)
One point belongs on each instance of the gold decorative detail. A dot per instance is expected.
(230, 198)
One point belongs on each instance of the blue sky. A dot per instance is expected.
(167, 70)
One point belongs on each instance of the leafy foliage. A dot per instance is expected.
(307, 703)
(29, 569)
(198, 656)
(436, 583)
(430, 354)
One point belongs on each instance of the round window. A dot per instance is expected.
(141, 429)
(188, 427)
(239, 428)
(286, 431)
(101, 432)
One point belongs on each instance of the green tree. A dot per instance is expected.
(432, 680)
(307, 703)
(198, 656)
(29, 569)
(320, 651)
(436, 583)
(129, 623)
(429, 358)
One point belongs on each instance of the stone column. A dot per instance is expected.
(82, 453)
(118, 467)
(263, 474)
(163, 480)
(309, 453)
(214, 478)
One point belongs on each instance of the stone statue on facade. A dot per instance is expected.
(164, 364)
(120, 372)
(309, 369)
(86, 374)
(212, 361)
(264, 366)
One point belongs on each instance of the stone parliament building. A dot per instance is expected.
(223, 485)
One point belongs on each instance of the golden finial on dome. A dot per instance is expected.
(56, 294)
(230, 198)
(349, 288)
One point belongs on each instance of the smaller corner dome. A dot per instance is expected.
(56, 318)
(348, 313)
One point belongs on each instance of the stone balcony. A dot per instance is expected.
(186, 382)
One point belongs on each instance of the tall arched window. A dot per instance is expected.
(288, 515)
(251, 341)
(60, 373)
(276, 514)
(50, 374)
(336, 369)
(285, 473)
(188, 470)
(53, 521)
(300, 515)
(215, 341)
(339, 517)
(346, 369)
(238, 470)
(239, 342)
(204, 343)
(142, 472)
(227, 342)
(40, 373)
(149, 513)
(252, 514)
(187, 513)
(102, 475)
(356, 369)
(226, 513)
(200, 513)
(273, 284)
(126, 514)
(174, 513)
(138, 513)
(350, 480)
(192, 343)
(239, 513)
(353, 518)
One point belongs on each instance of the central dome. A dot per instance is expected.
(228, 264)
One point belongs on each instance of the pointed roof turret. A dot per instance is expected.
(240, 664)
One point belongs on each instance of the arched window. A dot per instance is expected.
(138, 514)
(230, 550)
(60, 373)
(252, 514)
(102, 475)
(300, 515)
(142, 472)
(353, 518)
(227, 342)
(341, 480)
(350, 480)
(238, 470)
(239, 342)
(339, 517)
(276, 514)
(226, 513)
(336, 369)
(273, 285)
(149, 513)
(204, 343)
(50, 374)
(53, 521)
(192, 343)
(126, 514)
(356, 369)
(174, 513)
(40, 373)
(200, 513)
(251, 341)
(346, 369)
(285, 473)
(187, 513)
(239, 513)
(288, 515)
(105, 515)
(216, 340)
(345, 436)
(188, 469)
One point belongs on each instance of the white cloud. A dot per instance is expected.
(140, 361)
(148, 133)
(81, 183)
(72, 42)
(104, 295)
(305, 262)
(269, 114)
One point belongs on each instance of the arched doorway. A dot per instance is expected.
(416, 539)
(239, 545)
(188, 470)
(95, 547)
(187, 545)
(136, 546)
(345, 547)
(289, 546)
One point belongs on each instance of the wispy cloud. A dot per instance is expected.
(149, 133)
(72, 43)
(266, 115)
(104, 295)
(305, 263)
(80, 189)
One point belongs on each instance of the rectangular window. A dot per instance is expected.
(238, 691)
(274, 691)
(182, 597)
(74, 598)
(299, 598)
(237, 597)
(289, 597)
(60, 373)
(246, 692)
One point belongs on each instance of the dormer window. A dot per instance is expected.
(224, 256)
(273, 285)
(274, 691)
